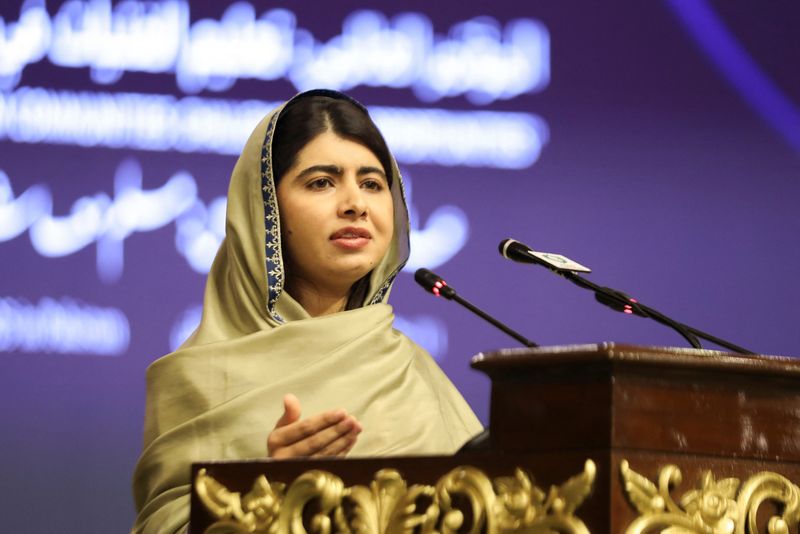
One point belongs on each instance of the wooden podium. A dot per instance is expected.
(588, 438)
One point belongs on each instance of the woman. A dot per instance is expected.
(294, 309)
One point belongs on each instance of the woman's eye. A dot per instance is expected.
(374, 185)
(320, 183)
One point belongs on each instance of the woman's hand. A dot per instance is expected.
(331, 433)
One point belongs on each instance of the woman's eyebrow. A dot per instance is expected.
(335, 170)
(371, 170)
(327, 169)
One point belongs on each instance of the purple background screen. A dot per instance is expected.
(669, 162)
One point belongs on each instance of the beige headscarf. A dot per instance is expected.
(220, 394)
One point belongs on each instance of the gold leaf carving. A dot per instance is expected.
(388, 505)
(256, 512)
(325, 487)
(714, 507)
(463, 500)
(519, 503)
(642, 493)
(522, 507)
(768, 486)
(471, 483)
(574, 491)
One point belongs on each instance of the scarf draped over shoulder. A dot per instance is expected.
(219, 395)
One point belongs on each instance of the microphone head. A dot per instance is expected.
(434, 283)
(513, 250)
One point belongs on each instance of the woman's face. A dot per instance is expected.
(337, 217)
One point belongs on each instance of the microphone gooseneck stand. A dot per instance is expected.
(434, 283)
(615, 299)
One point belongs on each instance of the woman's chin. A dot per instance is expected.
(348, 277)
(350, 266)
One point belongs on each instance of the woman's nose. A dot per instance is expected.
(352, 204)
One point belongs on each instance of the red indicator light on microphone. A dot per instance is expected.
(432, 283)
(439, 284)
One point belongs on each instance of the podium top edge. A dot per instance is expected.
(633, 355)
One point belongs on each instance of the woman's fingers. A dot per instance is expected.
(341, 445)
(313, 444)
(329, 433)
(306, 428)
(332, 441)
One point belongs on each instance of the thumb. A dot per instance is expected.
(291, 411)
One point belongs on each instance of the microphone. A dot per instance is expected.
(435, 284)
(616, 300)
(515, 251)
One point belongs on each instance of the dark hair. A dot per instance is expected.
(306, 117)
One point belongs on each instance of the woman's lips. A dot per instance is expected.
(351, 238)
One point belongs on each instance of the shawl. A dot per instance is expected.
(220, 394)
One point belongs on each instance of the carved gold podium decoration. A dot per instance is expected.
(715, 507)
(464, 499)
